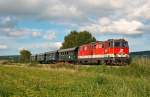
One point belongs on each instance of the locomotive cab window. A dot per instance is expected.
(111, 44)
(124, 44)
(117, 44)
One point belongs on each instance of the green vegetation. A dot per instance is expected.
(25, 56)
(74, 39)
(65, 80)
(140, 53)
(13, 58)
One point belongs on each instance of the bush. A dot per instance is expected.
(6, 62)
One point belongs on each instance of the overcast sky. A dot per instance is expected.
(40, 25)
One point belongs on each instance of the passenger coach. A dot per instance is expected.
(68, 55)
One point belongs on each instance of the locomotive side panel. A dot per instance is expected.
(91, 53)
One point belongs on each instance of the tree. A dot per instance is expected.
(74, 39)
(25, 56)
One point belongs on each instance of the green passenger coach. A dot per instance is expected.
(68, 55)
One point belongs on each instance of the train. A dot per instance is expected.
(111, 52)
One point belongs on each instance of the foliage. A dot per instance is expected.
(140, 54)
(25, 56)
(13, 58)
(75, 39)
(6, 62)
(75, 81)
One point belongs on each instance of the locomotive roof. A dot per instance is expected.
(104, 41)
(69, 49)
(117, 39)
(93, 43)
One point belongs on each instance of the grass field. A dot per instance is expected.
(75, 81)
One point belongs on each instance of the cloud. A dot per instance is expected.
(8, 28)
(3, 46)
(112, 17)
(74, 11)
(39, 10)
(49, 35)
(25, 32)
(78, 12)
(145, 29)
(18, 33)
(42, 47)
(20, 7)
(121, 26)
(36, 34)
(51, 45)
(61, 10)
(142, 10)
(7, 22)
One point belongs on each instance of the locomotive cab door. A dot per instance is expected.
(108, 52)
(106, 48)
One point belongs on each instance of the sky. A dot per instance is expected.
(40, 25)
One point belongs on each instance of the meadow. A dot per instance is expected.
(65, 80)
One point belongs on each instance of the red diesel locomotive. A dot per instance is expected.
(112, 51)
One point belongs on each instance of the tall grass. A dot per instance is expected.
(65, 80)
(141, 60)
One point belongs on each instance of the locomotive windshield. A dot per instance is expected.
(120, 44)
(117, 44)
(124, 44)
